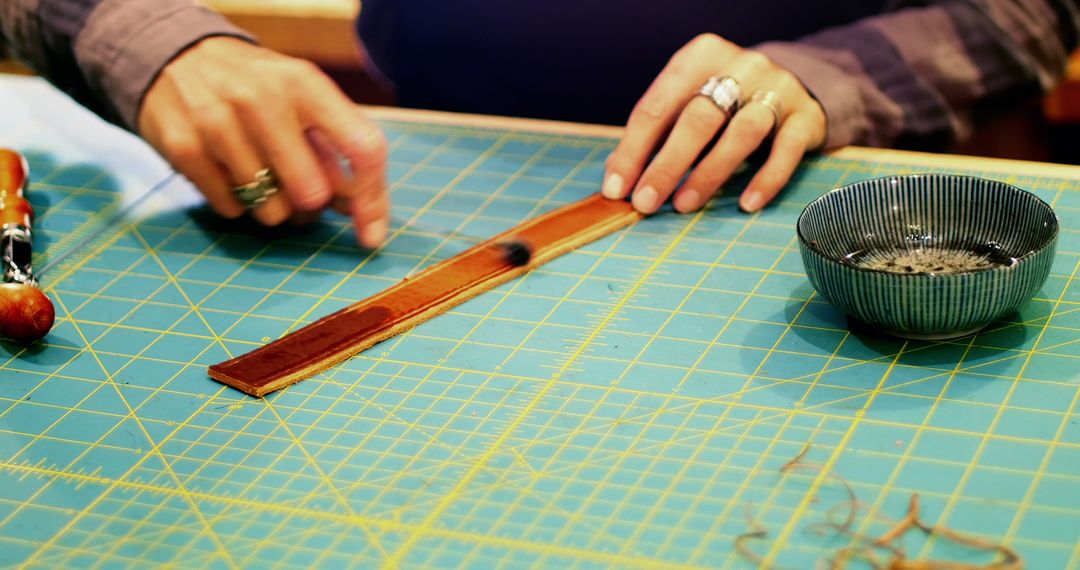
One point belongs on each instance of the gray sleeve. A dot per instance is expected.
(923, 75)
(106, 53)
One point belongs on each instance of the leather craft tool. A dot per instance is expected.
(26, 314)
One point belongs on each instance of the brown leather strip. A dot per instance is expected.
(414, 300)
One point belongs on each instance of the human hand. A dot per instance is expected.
(225, 109)
(672, 113)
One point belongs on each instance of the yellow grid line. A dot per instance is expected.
(594, 340)
(605, 312)
(351, 520)
(387, 415)
(147, 253)
(1025, 503)
(951, 503)
(788, 529)
(496, 371)
(155, 450)
(426, 526)
(734, 499)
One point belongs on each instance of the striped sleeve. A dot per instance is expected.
(105, 54)
(922, 74)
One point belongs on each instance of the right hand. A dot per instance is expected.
(225, 109)
(679, 125)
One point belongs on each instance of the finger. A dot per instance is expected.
(353, 136)
(369, 203)
(332, 166)
(657, 110)
(747, 64)
(748, 129)
(220, 129)
(368, 196)
(210, 179)
(791, 143)
(329, 160)
(365, 149)
(274, 125)
(695, 127)
(176, 138)
(370, 213)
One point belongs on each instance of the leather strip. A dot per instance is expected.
(338, 336)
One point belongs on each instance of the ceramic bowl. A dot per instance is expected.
(927, 256)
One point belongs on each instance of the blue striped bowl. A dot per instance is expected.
(927, 256)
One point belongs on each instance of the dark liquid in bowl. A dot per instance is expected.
(937, 260)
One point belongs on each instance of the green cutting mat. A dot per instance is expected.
(627, 405)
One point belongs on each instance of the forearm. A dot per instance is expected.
(105, 53)
(919, 77)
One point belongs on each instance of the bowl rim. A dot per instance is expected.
(807, 243)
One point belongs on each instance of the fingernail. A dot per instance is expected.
(750, 202)
(373, 234)
(645, 200)
(613, 186)
(688, 200)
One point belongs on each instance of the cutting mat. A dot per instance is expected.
(628, 405)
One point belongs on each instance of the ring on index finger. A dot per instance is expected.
(724, 92)
(253, 194)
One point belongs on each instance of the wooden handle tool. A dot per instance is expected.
(26, 314)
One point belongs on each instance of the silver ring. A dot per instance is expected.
(771, 101)
(724, 92)
(255, 193)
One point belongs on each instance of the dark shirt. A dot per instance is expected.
(909, 73)
(579, 60)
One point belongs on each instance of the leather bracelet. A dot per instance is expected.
(338, 336)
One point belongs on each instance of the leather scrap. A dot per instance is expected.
(404, 305)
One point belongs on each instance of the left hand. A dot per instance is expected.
(225, 109)
(675, 119)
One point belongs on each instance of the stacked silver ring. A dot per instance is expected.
(724, 92)
(255, 193)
